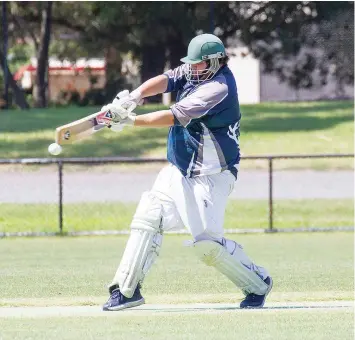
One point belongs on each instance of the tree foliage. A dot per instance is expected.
(301, 42)
(297, 41)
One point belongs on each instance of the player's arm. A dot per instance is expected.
(171, 80)
(161, 118)
(151, 87)
(155, 119)
(199, 103)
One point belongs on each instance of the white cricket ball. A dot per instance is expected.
(55, 149)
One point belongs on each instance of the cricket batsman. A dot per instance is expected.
(192, 191)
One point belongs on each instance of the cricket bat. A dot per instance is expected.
(81, 129)
(89, 125)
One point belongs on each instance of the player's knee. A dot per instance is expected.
(207, 236)
(148, 215)
(228, 244)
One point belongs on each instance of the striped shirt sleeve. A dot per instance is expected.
(200, 102)
(176, 78)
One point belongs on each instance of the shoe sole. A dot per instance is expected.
(266, 294)
(125, 306)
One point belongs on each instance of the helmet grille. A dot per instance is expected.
(195, 77)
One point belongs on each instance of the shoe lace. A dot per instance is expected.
(115, 294)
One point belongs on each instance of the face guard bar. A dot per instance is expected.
(195, 77)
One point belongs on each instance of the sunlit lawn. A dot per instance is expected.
(246, 325)
(75, 270)
(240, 214)
(72, 271)
(269, 128)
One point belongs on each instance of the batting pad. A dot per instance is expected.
(143, 245)
(242, 275)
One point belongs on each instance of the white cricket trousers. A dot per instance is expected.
(197, 203)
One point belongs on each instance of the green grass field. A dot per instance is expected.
(69, 271)
(241, 214)
(270, 128)
(75, 271)
(291, 325)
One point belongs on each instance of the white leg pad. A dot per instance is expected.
(143, 245)
(215, 255)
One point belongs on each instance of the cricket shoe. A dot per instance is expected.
(254, 300)
(118, 301)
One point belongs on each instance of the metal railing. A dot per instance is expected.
(133, 160)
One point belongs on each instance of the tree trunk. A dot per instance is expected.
(41, 87)
(19, 95)
(114, 80)
(153, 62)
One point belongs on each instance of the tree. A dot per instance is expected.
(25, 30)
(33, 23)
(294, 40)
(20, 98)
(18, 94)
(41, 87)
(336, 39)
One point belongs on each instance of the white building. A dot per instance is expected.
(254, 86)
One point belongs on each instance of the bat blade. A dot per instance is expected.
(78, 130)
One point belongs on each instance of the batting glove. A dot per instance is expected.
(128, 101)
(128, 121)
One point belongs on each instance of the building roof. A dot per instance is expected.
(56, 65)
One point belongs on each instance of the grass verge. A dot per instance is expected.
(242, 214)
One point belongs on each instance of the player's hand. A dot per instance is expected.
(125, 97)
(112, 113)
(128, 121)
(128, 101)
(124, 101)
(122, 105)
(115, 117)
(118, 109)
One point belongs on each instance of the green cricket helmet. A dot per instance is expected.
(204, 47)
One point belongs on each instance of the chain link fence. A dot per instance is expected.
(99, 195)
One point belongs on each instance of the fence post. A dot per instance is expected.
(60, 173)
(270, 195)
